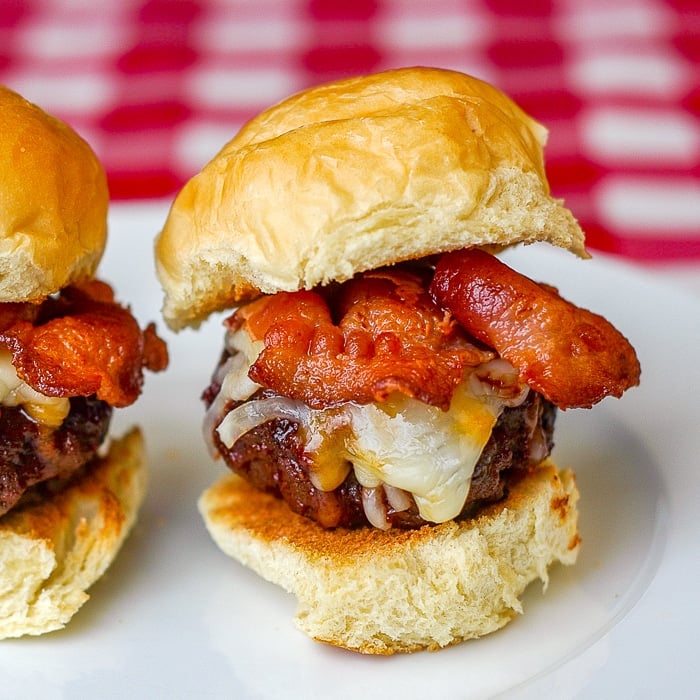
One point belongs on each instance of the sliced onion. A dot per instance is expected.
(216, 408)
(374, 508)
(235, 386)
(498, 379)
(399, 499)
(251, 414)
(223, 369)
(538, 447)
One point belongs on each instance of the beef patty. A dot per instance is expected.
(32, 453)
(271, 456)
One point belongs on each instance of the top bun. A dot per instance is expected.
(53, 203)
(354, 175)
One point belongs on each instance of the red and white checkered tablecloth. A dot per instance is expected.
(157, 86)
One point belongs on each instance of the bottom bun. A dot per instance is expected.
(381, 592)
(52, 550)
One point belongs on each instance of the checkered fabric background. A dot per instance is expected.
(158, 86)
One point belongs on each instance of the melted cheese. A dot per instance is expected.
(419, 448)
(50, 410)
(402, 442)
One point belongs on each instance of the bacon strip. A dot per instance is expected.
(389, 337)
(573, 357)
(81, 343)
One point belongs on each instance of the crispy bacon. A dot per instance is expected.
(80, 343)
(389, 336)
(572, 356)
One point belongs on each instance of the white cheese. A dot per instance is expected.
(419, 448)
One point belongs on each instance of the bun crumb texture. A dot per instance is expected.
(381, 592)
(53, 203)
(355, 175)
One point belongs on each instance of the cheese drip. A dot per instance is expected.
(419, 448)
(49, 410)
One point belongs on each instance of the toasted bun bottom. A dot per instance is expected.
(52, 551)
(382, 592)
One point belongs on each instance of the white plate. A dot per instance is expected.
(175, 618)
